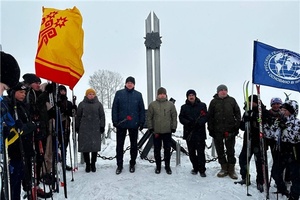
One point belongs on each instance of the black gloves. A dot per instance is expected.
(173, 130)
(248, 116)
(18, 124)
(141, 127)
(151, 130)
(102, 129)
(282, 123)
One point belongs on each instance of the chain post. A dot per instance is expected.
(178, 148)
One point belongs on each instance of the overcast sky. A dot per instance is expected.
(204, 43)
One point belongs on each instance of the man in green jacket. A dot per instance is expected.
(162, 122)
(223, 125)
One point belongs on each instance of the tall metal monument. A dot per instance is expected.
(152, 43)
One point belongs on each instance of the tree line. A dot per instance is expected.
(106, 83)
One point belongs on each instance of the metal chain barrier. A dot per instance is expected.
(208, 159)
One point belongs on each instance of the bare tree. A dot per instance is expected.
(106, 83)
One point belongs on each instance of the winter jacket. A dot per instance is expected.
(254, 124)
(193, 118)
(14, 150)
(287, 135)
(224, 116)
(36, 100)
(90, 117)
(162, 116)
(128, 110)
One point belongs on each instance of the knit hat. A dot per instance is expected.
(190, 92)
(275, 100)
(221, 87)
(130, 79)
(90, 90)
(161, 90)
(31, 78)
(10, 70)
(20, 86)
(291, 106)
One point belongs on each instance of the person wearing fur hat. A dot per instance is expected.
(252, 118)
(90, 125)
(193, 116)
(128, 114)
(21, 150)
(162, 122)
(223, 125)
(286, 133)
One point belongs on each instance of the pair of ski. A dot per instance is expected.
(59, 153)
(59, 156)
(264, 158)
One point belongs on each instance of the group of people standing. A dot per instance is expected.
(31, 111)
(280, 128)
(31, 128)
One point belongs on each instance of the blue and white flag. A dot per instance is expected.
(274, 67)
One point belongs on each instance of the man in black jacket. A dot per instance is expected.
(193, 116)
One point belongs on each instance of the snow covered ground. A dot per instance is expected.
(104, 184)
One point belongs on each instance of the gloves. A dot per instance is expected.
(18, 124)
(51, 113)
(151, 130)
(247, 118)
(102, 129)
(173, 130)
(212, 134)
(49, 88)
(282, 124)
(115, 124)
(141, 127)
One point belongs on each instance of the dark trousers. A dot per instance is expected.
(286, 160)
(197, 154)
(164, 139)
(40, 160)
(121, 135)
(255, 150)
(16, 176)
(229, 144)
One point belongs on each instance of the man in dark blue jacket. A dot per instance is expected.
(193, 116)
(128, 113)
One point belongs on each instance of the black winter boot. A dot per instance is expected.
(93, 163)
(93, 167)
